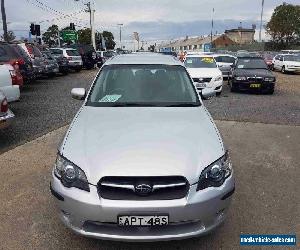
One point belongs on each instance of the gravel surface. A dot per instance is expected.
(266, 200)
(46, 105)
(283, 107)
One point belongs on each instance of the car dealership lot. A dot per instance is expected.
(264, 151)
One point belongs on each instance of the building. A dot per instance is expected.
(240, 35)
(197, 43)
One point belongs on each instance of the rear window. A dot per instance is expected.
(7, 53)
(225, 59)
(56, 51)
(72, 52)
(32, 49)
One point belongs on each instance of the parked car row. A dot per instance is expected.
(22, 63)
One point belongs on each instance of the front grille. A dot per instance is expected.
(131, 188)
(255, 79)
(202, 79)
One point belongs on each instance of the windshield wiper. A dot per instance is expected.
(133, 104)
(183, 105)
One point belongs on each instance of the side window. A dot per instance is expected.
(281, 58)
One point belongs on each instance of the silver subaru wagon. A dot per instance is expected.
(142, 159)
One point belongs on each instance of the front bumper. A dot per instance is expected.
(212, 86)
(6, 120)
(90, 215)
(245, 86)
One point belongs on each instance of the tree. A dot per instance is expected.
(51, 35)
(284, 25)
(109, 39)
(9, 37)
(84, 37)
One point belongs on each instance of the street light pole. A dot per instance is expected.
(91, 10)
(5, 36)
(120, 24)
(261, 16)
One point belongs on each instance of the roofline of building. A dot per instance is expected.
(242, 29)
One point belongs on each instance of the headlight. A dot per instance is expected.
(240, 78)
(216, 173)
(269, 79)
(219, 78)
(69, 174)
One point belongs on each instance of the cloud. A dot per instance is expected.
(163, 19)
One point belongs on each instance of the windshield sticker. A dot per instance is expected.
(110, 98)
(207, 59)
(240, 66)
(189, 61)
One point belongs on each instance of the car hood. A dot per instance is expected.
(204, 72)
(253, 72)
(142, 141)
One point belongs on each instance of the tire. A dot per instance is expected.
(77, 70)
(233, 88)
(271, 91)
(218, 93)
(283, 70)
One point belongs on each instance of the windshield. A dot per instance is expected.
(143, 85)
(251, 64)
(200, 62)
(71, 52)
(225, 59)
(292, 58)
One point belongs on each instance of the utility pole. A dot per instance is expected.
(212, 25)
(120, 24)
(5, 36)
(261, 16)
(91, 10)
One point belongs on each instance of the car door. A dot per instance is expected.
(277, 64)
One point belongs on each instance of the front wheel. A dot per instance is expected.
(283, 70)
(233, 87)
(218, 93)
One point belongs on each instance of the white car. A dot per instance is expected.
(224, 63)
(72, 55)
(286, 63)
(11, 91)
(6, 116)
(206, 75)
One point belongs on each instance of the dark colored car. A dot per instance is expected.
(88, 54)
(51, 65)
(62, 61)
(18, 58)
(252, 73)
(268, 57)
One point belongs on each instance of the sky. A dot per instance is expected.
(153, 19)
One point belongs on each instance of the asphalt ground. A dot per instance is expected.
(47, 105)
(266, 166)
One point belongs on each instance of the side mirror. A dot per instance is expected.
(78, 93)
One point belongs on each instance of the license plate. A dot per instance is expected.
(255, 85)
(145, 220)
(200, 85)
